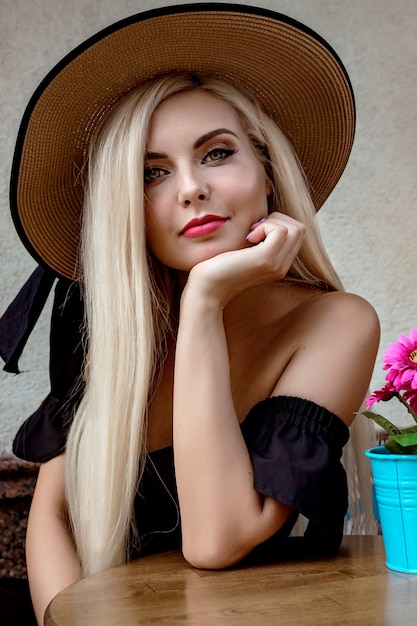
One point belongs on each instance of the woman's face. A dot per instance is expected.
(204, 184)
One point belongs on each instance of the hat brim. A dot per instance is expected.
(296, 76)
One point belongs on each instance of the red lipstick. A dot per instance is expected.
(201, 226)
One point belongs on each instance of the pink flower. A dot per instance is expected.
(401, 362)
(385, 394)
(411, 397)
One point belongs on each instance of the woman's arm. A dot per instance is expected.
(51, 559)
(223, 517)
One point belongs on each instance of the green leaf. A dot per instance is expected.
(383, 422)
(405, 443)
(410, 429)
(406, 439)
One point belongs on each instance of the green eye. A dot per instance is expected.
(218, 154)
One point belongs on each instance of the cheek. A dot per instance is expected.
(254, 187)
(161, 235)
(154, 228)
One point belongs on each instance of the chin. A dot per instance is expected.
(196, 252)
(219, 248)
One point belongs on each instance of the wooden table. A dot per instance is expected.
(353, 588)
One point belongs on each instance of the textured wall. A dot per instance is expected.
(369, 223)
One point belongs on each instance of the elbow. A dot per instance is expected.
(213, 554)
(223, 545)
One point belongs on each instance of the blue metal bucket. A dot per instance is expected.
(395, 484)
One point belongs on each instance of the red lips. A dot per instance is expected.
(203, 225)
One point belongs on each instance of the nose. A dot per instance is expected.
(192, 188)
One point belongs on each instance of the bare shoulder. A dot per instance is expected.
(348, 312)
(336, 349)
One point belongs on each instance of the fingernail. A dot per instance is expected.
(253, 226)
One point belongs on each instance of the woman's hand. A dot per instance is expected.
(277, 241)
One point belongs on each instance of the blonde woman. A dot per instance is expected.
(222, 362)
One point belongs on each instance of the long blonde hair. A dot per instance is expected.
(129, 299)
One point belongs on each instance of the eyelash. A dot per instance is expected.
(225, 153)
(152, 170)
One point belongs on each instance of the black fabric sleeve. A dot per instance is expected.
(20, 317)
(296, 447)
(43, 435)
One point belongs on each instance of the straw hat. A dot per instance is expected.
(296, 76)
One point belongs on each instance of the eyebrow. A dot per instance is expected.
(149, 156)
(213, 133)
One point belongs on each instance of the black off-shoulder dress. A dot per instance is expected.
(294, 444)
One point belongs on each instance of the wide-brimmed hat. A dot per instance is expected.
(296, 76)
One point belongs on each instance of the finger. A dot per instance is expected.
(254, 227)
(279, 249)
(256, 235)
(256, 232)
(276, 221)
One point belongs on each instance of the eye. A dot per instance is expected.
(218, 154)
(153, 174)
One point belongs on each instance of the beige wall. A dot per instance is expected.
(369, 223)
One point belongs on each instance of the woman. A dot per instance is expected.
(224, 363)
